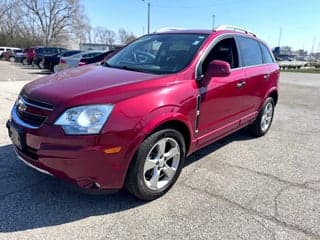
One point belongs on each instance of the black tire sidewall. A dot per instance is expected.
(142, 191)
(256, 127)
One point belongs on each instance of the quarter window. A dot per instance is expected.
(266, 54)
(250, 52)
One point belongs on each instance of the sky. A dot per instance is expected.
(298, 19)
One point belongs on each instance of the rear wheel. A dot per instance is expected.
(263, 122)
(156, 165)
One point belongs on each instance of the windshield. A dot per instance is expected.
(158, 53)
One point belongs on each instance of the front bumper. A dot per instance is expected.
(80, 160)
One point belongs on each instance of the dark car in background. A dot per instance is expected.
(99, 58)
(40, 52)
(33, 55)
(49, 61)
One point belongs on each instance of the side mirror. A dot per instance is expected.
(218, 68)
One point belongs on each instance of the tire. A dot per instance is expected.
(150, 179)
(263, 122)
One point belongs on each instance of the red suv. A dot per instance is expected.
(132, 121)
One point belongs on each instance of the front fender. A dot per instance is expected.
(154, 120)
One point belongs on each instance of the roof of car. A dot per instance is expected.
(222, 29)
(197, 31)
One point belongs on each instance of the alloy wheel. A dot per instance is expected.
(161, 164)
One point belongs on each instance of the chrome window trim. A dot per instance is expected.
(209, 48)
(218, 39)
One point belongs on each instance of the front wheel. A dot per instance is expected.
(156, 165)
(263, 122)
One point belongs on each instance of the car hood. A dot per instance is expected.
(89, 83)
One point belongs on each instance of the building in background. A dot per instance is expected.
(98, 46)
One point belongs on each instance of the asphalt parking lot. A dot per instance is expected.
(237, 188)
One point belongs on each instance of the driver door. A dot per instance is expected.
(221, 105)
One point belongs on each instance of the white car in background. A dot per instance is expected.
(5, 49)
(74, 60)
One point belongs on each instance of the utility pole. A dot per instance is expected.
(279, 37)
(148, 17)
(148, 4)
(213, 21)
(314, 40)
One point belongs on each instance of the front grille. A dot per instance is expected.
(37, 103)
(30, 112)
(32, 119)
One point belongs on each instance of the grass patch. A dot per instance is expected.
(301, 70)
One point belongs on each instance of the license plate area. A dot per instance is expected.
(17, 136)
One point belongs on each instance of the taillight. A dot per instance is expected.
(81, 64)
(62, 61)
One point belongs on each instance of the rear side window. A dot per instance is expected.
(250, 52)
(267, 57)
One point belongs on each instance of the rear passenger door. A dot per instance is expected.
(256, 74)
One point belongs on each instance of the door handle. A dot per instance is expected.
(266, 76)
(241, 84)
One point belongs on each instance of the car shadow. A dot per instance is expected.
(32, 200)
(43, 72)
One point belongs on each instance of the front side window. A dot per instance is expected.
(250, 51)
(225, 50)
(158, 53)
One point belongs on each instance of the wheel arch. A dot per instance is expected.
(274, 95)
(180, 127)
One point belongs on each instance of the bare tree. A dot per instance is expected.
(53, 17)
(111, 37)
(125, 37)
(3, 8)
(104, 35)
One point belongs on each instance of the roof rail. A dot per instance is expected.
(168, 29)
(235, 28)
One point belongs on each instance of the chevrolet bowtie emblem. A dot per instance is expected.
(21, 105)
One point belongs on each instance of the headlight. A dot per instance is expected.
(87, 119)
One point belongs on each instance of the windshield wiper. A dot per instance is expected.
(133, 69)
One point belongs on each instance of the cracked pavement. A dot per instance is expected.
(237, 188)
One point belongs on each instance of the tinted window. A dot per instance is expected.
(225, 50)
(266, 54)
(1, 49)
(250, 51)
